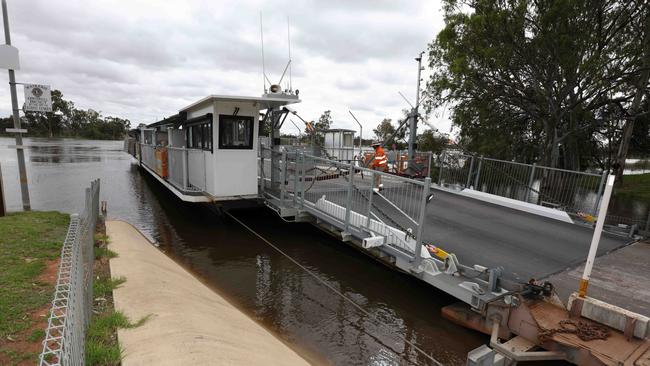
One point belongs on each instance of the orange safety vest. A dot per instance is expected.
(380, 160)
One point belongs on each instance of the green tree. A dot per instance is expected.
(538, 80)
(428, 141)
(385, 130)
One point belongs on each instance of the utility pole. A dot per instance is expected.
(22, 170)
(413, 127)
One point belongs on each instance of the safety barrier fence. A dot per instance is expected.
(356, 199)
(71, 308)
(184, 168)
(571, 191)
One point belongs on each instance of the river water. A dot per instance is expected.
(305, 314)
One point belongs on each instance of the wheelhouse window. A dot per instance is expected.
(235, 132)
(199, 136)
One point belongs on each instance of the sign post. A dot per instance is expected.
(22, 170)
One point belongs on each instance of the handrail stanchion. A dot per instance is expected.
(442, 163)
(284, 176)
(295, 178)
(478, 173)
(372, 191)
(601, 187)
(302, 180)
(531, 180)
(350, 186)
(469, 173)
(185, 172)
(423, 206)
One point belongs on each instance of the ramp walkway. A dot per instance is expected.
(189, 323)
(525, 245)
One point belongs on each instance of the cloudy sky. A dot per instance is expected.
(145, 60)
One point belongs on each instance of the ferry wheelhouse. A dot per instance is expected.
(208, 151)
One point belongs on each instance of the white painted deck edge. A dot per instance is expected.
(511, 203)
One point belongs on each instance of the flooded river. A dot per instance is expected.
(305, 314)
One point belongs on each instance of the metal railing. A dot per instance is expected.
(346, 195)
(571, 191)
(71, 310)
(186, 168)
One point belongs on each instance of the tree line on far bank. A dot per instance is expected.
(66, 120)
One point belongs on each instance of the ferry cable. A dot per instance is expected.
(339, 293)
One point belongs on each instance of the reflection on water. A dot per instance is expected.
(319, 325)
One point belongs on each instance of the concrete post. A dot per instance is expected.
(595, 240)
(478, 174)
(423, 207)
(531, 180)
(469, 173)
(350, 187)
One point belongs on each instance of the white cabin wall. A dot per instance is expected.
(235, 171)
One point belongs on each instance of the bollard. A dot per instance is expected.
(595, 240)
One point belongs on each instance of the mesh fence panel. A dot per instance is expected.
(71, 307)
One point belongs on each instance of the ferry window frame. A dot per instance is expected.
(199, 135)
(224, 119)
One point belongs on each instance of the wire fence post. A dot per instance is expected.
(531, 180)
(478, 173)
(423, 207)
(372, 190)
(469, 172)
(350, 187)
(284, 176)
(601, 187)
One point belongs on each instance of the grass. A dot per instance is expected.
(635, 186)
(102, 347)
(105, 286)
(27, 241)
(103, 252)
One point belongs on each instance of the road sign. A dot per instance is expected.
(16, 130)
(9, 57)
(38, 98)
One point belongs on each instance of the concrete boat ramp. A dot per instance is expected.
(189, 324)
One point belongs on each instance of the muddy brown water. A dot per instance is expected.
(305, 314)
(265, 285)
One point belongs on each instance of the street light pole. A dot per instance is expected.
(413, 127)
(360, 133)
(22, 170)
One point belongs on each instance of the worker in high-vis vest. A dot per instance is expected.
(379, 162)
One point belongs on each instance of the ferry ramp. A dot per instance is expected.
(525, 245)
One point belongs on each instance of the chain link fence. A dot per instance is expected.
(71, 310)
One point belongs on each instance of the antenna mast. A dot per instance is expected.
(263, 63)
(289, 43)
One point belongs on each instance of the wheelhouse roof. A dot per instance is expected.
(263, 102)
